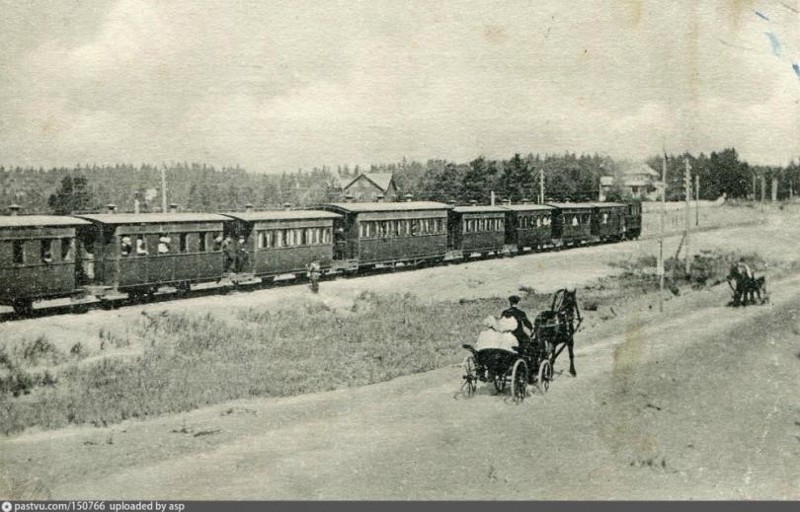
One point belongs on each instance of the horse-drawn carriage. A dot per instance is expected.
(528, 361)
(746, 286)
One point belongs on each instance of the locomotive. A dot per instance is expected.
(109, 255)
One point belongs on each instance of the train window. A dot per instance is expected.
(66, 249)
(201, 245)
(141, 245)
(502, 224)
(125, 246)
(605, 218)
(301, 237)
(164, 244)
(326, 235)
(182, 242)
(574, 220)
(19, 254)
(46, 251)
(289, 237)
(261, 241)
(217, 241)
(311, 238)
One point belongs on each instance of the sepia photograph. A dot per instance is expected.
(519, 250)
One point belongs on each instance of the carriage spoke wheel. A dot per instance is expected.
(519, 381)
(470, 376)
(545, 376)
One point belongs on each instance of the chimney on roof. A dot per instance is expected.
(248, 207)
(287, 206)
(507, 202)
(348, 198)
(112, 208)
(173, 208)
(380, 198)
(525, 200)
(14, 209)
(409, 197)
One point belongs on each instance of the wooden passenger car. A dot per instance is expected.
(283, 242)
(529, 225)
(608, 221)
(633, 220)
(140, 252)
(37, 258)
(572, 222)
(389, 233)
(477, 229)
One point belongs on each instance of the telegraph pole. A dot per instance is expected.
(661, 235)
(541, 186)
(697, 199)
(688, 186)
(163, 188)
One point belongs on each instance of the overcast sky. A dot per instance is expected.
(275, 86)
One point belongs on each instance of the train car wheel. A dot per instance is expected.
(23, 307)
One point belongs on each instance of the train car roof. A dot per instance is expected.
(153, 218)
(567, 206)
(479, 209)
(282, 215)
(26, 221)
(528, 207)
(616, 205)
(390, 207)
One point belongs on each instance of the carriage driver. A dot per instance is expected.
(522, 321)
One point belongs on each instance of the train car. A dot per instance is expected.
(476, 229)
(37, 259)
(529, 226)
(572, 222)
(138, 253)
(608, 221)
(633, 220)
(369, 234)
(284, 242)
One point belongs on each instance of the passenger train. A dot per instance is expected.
(111, 254)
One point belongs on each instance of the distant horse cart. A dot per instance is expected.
(746, 287)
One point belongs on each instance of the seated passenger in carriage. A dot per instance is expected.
(524, 326)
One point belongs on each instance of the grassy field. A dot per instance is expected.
(190, 360)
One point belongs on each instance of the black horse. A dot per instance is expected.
(746, 288)
(555, 329)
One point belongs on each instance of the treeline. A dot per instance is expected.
(724, 173)
(195, 187)
(202, 187)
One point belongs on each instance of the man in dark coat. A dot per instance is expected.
(522, 321)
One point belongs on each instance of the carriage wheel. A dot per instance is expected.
(470, 376)
(519, 381)
(545, 376)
